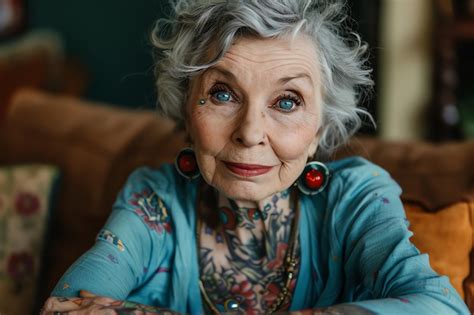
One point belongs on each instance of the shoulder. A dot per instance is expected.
(163, 181)
(356, 175)
(356, 165)
(154, 195)
(162, 178)
(361, 194)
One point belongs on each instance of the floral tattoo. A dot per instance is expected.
(122, 307)
(242, 258)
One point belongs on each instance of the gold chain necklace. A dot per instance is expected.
(290, 256)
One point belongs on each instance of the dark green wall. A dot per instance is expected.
(110, 37)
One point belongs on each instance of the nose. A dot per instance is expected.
(250, 128)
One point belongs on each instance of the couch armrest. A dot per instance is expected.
(432, 175)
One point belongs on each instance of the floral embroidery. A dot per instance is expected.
(106, 235)
(27, 203)
(152, 210)
(20, 265)
(112, 258)
(25, 199)
(162, 269)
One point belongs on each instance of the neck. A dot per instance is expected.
(255, 227)
(274, 206)
(261, 214)
(253, 204)
(275, 201)
(259, 204)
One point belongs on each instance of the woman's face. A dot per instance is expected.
(258, 125)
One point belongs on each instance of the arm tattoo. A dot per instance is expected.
(122, 307)
(132, 308)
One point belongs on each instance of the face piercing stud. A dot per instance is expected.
(202, 101)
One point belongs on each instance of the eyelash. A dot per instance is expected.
(290, 97)
(223, 88)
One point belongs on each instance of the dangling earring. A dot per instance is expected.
(314, 178)
(186, 164)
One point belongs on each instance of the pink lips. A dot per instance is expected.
(248, 170)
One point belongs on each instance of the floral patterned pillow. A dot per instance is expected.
(25, 200)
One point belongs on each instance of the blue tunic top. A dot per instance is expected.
(354, 242)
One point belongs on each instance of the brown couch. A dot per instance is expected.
(96, 147)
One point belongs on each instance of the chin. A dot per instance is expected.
(251, 189)
(246, 191)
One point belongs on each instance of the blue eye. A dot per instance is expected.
(222, 96)
(286, 104)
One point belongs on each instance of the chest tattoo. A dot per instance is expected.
(242, 258)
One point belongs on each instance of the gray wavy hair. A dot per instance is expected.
(183, 42)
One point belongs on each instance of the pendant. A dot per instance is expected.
(231, 305)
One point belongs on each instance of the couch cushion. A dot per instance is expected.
(446, 235)
(25, 202)
(96, 147)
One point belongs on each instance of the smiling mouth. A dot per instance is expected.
(247, 170)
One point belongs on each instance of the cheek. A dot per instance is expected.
(201, 127)
(294, 142)
(293, 150)
(208, 139)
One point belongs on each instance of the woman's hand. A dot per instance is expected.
(89, 303)
(331, 310)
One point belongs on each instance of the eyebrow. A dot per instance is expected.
(281, 81)
(224, 72)
(297, 76)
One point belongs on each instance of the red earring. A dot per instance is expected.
(314, 178)
(186, 164)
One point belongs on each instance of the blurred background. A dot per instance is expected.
(421, 52)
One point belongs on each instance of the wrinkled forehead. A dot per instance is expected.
(295, 55)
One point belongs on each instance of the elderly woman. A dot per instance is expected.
(249, 219)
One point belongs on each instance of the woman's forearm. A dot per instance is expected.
(100, 305)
